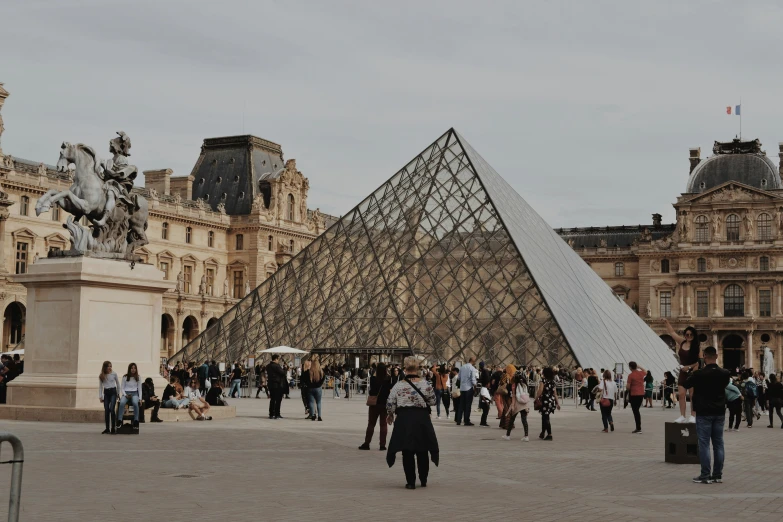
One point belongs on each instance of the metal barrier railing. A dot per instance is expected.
(16, 474)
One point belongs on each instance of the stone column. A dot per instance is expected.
(4, 213)
(778, 292)
(779, 351)
(681, 290)
(716, 297)
(715, 344)
(749, 291)
(749, 350)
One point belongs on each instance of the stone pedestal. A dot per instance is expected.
(82, 311)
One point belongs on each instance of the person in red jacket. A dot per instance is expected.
(635, 383)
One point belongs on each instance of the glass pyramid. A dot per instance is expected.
(447, 261)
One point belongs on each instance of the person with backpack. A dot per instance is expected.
(774, 399)
(749, 393)
(734, 404)
(520, 405)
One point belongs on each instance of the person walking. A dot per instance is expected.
(749, 393)
(467, 383)
(668, 389)
(635, 383)
(276, 381)
(505, 390)
(774, 399)
(108, 386)
(648, 389)
(607, 391)
(236, 381)
(315, 378)
(548, 402)
(734, 404)
(304, 387)
(709, 384)
(380, 386)
(441, 385)
(413, 435)
(592, 382)
(520, 405)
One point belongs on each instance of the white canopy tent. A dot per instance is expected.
(15, 352)
(283, 349)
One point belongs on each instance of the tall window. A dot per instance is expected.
(238, 284)
(290, 207)
(187, 274)
(270, 242)
(733, 301)
(666, 304)
(24, 206)
(210, 239)
(732, 227)
(188, 234)
(702, 303)
(210, 281)
(291, 246)
(764, 264)
(55, 213)
(701, 265)
(765, 227)
(164, 230)
(702, 229)
(765, 303)
(22, 249)
(164, 267)
(240, 242)
(664, 266)
(619, 269)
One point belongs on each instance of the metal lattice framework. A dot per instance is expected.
(434, 261)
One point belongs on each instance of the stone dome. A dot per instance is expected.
(735, 162)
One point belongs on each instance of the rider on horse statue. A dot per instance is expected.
(118, 176)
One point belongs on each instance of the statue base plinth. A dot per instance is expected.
(82, 311)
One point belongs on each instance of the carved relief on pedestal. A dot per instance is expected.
(732, 262)
(655, 266)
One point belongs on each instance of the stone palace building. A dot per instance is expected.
(719, 268)
(218, 232)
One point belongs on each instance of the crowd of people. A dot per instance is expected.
(11, 367)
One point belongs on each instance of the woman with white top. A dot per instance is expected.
(131, 391)
(108, 384)
(608, 390)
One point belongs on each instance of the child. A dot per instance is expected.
(484, 401)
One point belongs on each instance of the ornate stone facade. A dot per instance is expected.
(215, 256)
(718, 268)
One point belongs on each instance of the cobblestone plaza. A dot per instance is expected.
(253, 468)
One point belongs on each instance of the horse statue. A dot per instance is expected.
(118, 224)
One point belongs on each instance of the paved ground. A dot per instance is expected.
(252, 468)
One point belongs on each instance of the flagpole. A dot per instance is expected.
(740, 118)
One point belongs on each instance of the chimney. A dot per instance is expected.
(780, 155)
(160, 180)
(657, 219)
(695, 157)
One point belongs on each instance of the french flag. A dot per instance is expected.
(737, 109)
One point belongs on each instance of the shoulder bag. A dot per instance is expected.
(605, 401)
(429, 408)
(372, 400)
(455, 393)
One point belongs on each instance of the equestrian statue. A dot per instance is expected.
(101, 192)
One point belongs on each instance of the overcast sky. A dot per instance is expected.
(587, 108)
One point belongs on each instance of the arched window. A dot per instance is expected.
(188, 234)
(764, 224)
(210, 239)
(619, 269)
(664, 266)
(732, 227)
(733, 301)
(164, 231)
(24, 206)
(701, 265)
(270, 241)
(290, 207)
(240, 242)
(291, 246)
(702, 229)
(764, 264)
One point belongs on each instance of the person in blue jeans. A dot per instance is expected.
(468, 377)
(708, 396)
(236, 381)
(131, 392)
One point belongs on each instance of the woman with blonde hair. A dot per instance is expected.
(411, 400)
(315, 377)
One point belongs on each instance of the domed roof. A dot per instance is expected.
(743, 162)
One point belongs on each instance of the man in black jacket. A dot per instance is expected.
(709, 403)
(276, 380)
(214, 374)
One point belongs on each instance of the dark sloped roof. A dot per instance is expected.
(755, 170)
(622, 236)
(229, 169)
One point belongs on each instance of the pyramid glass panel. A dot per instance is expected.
(447, 261)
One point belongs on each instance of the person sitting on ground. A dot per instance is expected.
(150, 400)
(197, 404)
(172, 394)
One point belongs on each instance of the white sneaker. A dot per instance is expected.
(506, 437)
(691, 420)
(525, 439)
(438, 417)
(681, 420)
